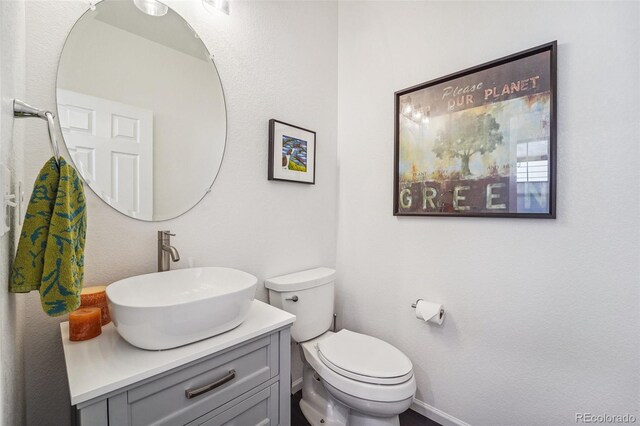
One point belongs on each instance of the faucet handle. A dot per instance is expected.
(165, 233)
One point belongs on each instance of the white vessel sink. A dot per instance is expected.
(164, 310)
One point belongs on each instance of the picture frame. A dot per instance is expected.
(480, 142)
(292, 153)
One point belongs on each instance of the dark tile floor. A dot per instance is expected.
(408, 418)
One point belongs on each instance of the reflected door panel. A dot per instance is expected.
(112, 145)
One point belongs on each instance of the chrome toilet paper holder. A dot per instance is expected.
(415, 305)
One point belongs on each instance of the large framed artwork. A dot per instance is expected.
(480, 142)
(292, 153)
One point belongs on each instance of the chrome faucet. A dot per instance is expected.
(166, 251)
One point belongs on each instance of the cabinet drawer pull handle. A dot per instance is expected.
(199, 391)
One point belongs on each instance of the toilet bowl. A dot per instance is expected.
(349, 378)
(375, 398)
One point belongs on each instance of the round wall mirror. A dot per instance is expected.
(141, 108)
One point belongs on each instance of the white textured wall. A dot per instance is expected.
(276, 60)
(543, 315)
(12, 68)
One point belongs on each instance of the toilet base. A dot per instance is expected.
(316, 404)
(358, 419)
(316, 418)
(320, 408)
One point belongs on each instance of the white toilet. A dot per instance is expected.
(349, 378)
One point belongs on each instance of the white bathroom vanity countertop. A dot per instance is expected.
(107, 362)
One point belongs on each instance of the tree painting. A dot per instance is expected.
(468, 134)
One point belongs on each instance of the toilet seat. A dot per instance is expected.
(357, 388)
(364, 358)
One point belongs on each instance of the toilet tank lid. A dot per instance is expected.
(301, 280)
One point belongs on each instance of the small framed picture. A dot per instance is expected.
(292, 153)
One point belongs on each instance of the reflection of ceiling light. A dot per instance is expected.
(151, 7)
(221, 5)
(417, 113)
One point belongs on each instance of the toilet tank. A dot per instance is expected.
(309, 296)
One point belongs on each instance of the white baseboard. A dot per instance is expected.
(296, 385)
(436, 415)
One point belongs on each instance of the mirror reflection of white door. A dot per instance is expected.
(112, 146)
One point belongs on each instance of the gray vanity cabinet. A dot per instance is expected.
(244, 385)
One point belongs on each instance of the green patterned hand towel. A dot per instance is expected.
(26, 272)
(50, 255)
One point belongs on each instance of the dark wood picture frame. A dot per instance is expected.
(493, 77)
(310, 155)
